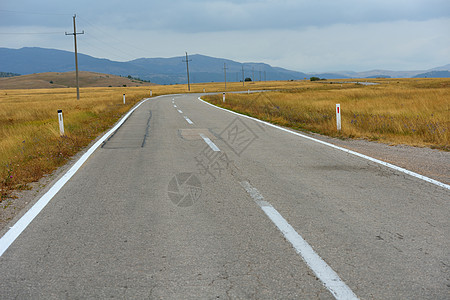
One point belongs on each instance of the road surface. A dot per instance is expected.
(187, 201)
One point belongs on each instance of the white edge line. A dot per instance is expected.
(210, 143)
(10, 236)
(180, 111)
(397, 168)
(188, 120)
(323, 271)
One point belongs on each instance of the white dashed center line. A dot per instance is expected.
(188, 120)
(210, 143)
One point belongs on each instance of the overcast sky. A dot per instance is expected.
(308, 36)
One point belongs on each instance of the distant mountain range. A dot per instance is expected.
(173, 70)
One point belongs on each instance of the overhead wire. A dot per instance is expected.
(34, 12)
(132, 47)
(86, 43)
(28, 33)
(93, 36)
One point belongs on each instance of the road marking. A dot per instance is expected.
(174, 106)
(12, 234)
(188, 120)
(210, 143)
(397, 168)
(180, 111)
(323, 271)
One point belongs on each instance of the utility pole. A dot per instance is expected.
(76, 54)
(264, 75)
(243, 79)
(225, 72)
(253, 74)
(187, 68)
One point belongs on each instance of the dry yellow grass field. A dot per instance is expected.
(409, 111)
(30, 145)
(405, 111)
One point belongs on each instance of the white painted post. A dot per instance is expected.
(248, 91)
(223, 97)
(123, 98)
(338, 117)
(203, 90)
(61, 122)
(151, 93)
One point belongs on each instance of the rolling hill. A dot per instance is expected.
(67, 79)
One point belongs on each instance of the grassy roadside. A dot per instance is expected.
(409, 111)
(405, 111)
(30, 145)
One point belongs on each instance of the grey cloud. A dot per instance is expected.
(208, 16)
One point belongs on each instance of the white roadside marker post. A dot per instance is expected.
(151, 93)
(61, 122)
(223, 97)
(123, 98)
(338, 117)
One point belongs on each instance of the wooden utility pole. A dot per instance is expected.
(225, 72)
(76, 54)
(243, 79)
(187, 68)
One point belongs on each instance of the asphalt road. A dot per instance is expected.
(177, 203)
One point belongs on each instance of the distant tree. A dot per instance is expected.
(248, 79)
(314, 78)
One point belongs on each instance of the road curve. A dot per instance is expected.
(186, 201)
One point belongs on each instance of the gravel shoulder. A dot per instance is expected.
(429, 162)
(432, 163)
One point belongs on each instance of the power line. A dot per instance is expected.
(187, 67)
(34, 12)
(100, 44)
(76, 56)
(225, 72)
(28, 33)
(114, 37)
(89, 46)
(108, 47)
